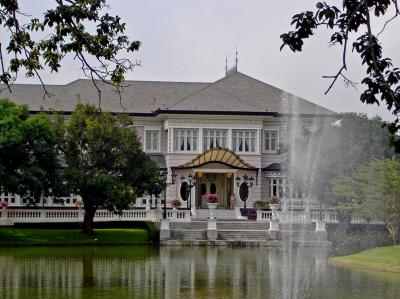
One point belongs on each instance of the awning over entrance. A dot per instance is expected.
(218, 155)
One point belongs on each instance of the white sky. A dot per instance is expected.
(188, 40)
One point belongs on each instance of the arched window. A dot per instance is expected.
(243, 192)
(213, 188)
(184, 191)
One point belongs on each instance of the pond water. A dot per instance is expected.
(183, 272)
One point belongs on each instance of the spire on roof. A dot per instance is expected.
(234, 68)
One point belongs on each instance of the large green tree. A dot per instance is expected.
(373, 192)
(352, 27)
(81, 28)
(105, 161)
(29, 163)
(329, 148)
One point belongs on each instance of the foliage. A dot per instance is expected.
(354, 22)
(334, 148)
(29, 161)
(105, 162)
(259, 204)
(373, 192)
(211, 198)
(273, 200)
(77, 27)
(176, 203)
(4, 204)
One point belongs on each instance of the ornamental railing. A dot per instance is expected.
(12, 216)
(300, 217)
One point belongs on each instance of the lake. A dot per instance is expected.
(183, 272)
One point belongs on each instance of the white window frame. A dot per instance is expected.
(236, 140)
(206, 134)
(276, 182)
(152, 150)
(178, 133)
(269, 150)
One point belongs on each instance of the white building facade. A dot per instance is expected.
(218, 133)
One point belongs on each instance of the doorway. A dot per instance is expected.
(214, 183)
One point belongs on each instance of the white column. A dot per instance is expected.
(229, 139)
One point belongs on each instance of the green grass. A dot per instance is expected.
(118, 236)
(385, 259)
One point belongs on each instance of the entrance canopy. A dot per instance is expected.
(218, 155)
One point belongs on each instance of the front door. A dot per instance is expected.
(214, 183)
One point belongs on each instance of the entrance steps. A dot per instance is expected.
(243, 232)
(219, 214)
(231, 230)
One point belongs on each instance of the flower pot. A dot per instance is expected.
(274, 207)
(212, 207)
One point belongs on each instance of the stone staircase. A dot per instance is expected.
(231, 230)
(219, 214)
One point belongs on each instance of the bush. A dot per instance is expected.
(259, 204)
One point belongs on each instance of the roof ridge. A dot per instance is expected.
(188, 96)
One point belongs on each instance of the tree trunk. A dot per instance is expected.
(90, 211)
(393, 230)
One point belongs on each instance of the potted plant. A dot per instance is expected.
(212, 202)
(259, 204)
(273, 203)
(176, 203)
(4, 204)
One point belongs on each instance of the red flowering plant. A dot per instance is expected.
(212, 198)
(4, 204)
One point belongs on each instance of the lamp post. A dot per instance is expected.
(173, 177)
(244, 184)
(191, 180)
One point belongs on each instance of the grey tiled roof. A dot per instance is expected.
(236, 92)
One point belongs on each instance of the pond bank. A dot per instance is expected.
(71, 237)
(383, 259)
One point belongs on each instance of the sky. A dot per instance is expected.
(187, 40)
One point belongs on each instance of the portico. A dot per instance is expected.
(215, 171)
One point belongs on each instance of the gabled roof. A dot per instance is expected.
(236, 92)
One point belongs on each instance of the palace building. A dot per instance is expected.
(223, 137)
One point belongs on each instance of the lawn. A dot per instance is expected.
(385, 259)
(118, 236)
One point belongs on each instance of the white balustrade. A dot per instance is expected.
(10, 216)
(42, 215)
(176, 215)
(264, 215)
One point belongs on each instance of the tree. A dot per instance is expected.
(29, 161)
(373, 192)
(354, 22)
(105, 162)
(77, 27)
(326, 149)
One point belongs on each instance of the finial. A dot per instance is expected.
(226, 65)
(236, 59)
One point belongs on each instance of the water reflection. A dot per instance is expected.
(183, 272)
